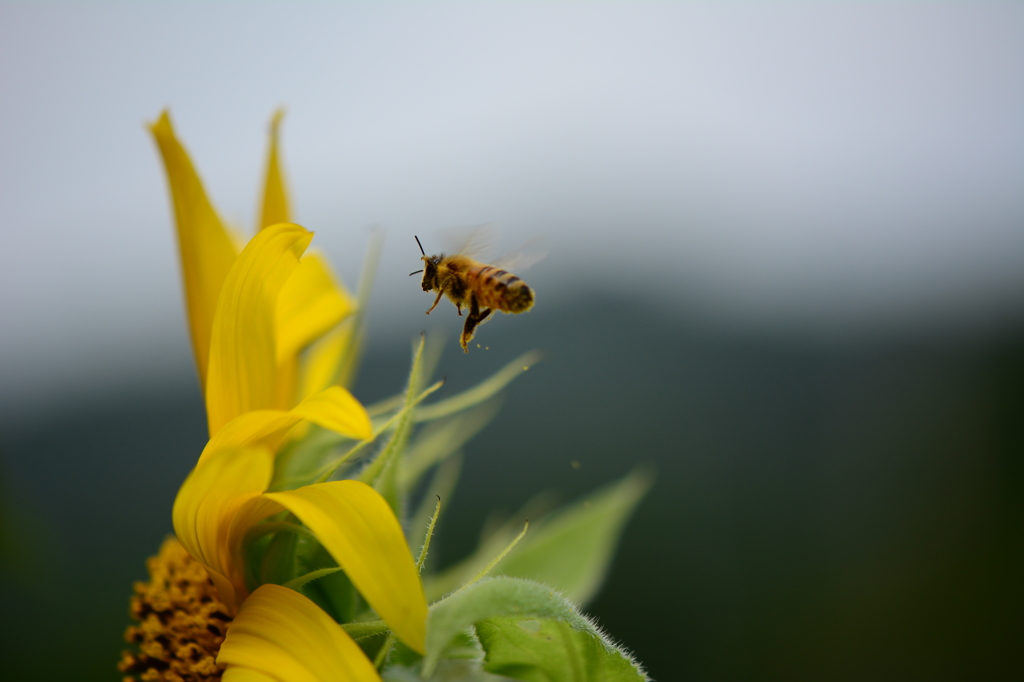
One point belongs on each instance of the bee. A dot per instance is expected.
(479, 288)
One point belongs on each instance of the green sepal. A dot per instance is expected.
(521, 600)
(367, 628)
(382, 472)
(442, 484)
(257, 541)
(443, 438)
(371, 644)
(334, 593)
(297, 582)
(300, 461)
(480, 393)
(277, 565)
(254, 560)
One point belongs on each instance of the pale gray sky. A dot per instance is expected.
(826, 165)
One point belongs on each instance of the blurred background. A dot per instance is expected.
(786, 270)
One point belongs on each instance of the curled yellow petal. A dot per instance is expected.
(211, 501)
(243, 357)
(310, 304)
(334, 408)
(356, 525)
(266, 428)
(281, 635)
(275, 207)
(206, 248)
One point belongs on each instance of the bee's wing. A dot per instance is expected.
(474, 242)
(529, 254)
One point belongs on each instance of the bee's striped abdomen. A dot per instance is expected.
(500, 289)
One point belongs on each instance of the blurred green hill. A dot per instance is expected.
(819, 512)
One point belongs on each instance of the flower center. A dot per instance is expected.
(181, 621)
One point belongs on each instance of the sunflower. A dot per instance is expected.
(254, 313)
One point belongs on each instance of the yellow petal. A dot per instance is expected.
(242, 369)
(206, 248)
(356, 525)
(218, 489)
(266, 428)
(286, 387)
(275, 196)
(335, 409)
(310, 304)
(236, 674)
(281, 635)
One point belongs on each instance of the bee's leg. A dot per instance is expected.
(475, 317)
(440, 293)
(472, 322)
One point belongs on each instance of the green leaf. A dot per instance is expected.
(486, 603)
(488, 599)
(551, 651)
(573, 550)
(570, 550)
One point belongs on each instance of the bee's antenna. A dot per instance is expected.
(421, 245)
(415, 273)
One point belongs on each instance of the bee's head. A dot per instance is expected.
(429, 270)
(430, 264)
